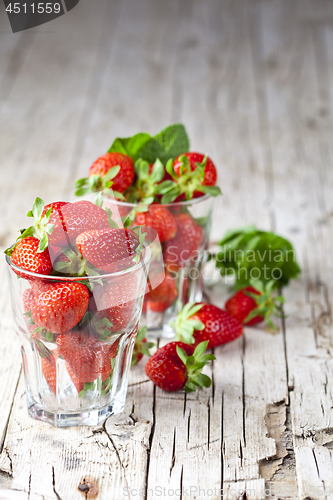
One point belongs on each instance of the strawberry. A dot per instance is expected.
(75, 218)
(164, 295)
(87, 356)
(50, 373)
(58, 307)
(177, 365)
(141, 346)
(48, 364)
(113, 305)
(160, 219)
(110, 250)
(196, 323)
(59, 223)
(254, 304)
(184, 246)
(26, 256)
(193, 175)
(114, 170)
(28, 298)
(79, 386)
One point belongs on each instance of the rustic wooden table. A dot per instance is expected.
(253, 82)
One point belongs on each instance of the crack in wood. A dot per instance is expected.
(53, 484)
(173, 458)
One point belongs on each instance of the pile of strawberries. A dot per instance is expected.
(150, 187)
(83, 318)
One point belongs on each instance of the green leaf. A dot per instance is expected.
(249, 251)
(130, 146)
(200, 349)
(112, 223)
(182, 354)
(211, 190)
(43, 244)
(38, 208)
(99, 200)
(168, 144)
(111, 174)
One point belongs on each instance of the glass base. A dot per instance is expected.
(69, 419)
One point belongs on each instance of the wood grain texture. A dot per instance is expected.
(253, 82)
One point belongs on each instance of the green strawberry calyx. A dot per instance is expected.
(146, 186)
(194, 364)
(40, 229)
(184, 326)
(96, 183)
(44, 334)
(267, 303)
(187, 182)
(141, 347)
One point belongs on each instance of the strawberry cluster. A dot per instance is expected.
(154, 174)
(74, 308)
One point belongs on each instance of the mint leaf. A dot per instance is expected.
(251, 254)
(169, 143)
(130, 146)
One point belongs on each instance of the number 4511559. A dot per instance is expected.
(38, 8)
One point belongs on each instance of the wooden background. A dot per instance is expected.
(252, 80)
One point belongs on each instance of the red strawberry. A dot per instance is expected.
(59, 223)
(252, 305)
(184, 246)
(196, 323)
(114, 302)
(195, 160)
(240, 305)
(73, 219)
(110, 170)
(164, 295)
(26, 256)
(160, 219)
(87, 356)
(110, 250)
(193, 175)
(58, 307)
(141, 346)
(28, 297)
(79, 386)
(50, 372)
(48, 363)
(170, 369)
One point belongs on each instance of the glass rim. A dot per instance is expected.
(142, 263)
(172, 204)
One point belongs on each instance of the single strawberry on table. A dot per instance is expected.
(112, 170)
(198, 322)
(178, 365)
(254, 304)
(59, 306)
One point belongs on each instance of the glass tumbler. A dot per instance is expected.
(184, 255)
(79, 376)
